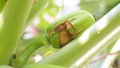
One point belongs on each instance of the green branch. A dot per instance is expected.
(22, 58)
(109, 60)
(98, 48)
(37, 7)
(12, 23)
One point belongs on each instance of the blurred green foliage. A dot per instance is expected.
(47, 14)
(50, 11)
(98, 7)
